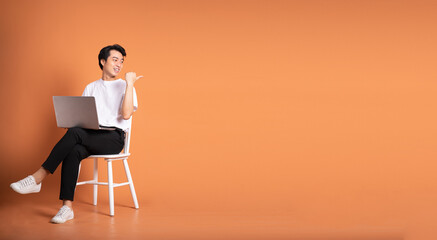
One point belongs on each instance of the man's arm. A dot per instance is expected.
(128, 103)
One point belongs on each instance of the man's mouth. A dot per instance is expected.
(117, 70)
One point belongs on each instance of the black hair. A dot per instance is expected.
(104, 53)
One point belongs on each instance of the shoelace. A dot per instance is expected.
(26, 182)
(62, 211)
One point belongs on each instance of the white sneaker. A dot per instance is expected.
(26, 185)
(64, 214)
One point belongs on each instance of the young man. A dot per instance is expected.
(116, 101)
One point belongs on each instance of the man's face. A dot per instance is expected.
(113, 65)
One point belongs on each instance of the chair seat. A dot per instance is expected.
(111, 156)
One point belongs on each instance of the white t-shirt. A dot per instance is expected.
(109, 97)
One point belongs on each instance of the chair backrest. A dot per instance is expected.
(127, 139)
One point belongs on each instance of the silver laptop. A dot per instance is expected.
(77, 112)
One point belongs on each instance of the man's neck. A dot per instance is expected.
(106, 77)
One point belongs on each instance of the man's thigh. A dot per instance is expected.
(103, 141)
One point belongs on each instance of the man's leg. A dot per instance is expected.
(70, 171)
(32, 183)
(63, 148)
(97, 141)
(104, 141)
(80, 143)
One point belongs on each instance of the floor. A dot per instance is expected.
(28, 216)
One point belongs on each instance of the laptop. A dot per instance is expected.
(77, 112)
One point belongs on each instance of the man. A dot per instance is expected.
(116, 101)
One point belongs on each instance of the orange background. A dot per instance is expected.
(323, 112)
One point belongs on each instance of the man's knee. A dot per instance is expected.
(75, 130)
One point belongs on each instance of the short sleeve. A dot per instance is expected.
(86, 92)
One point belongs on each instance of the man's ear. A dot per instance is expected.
(102, 61)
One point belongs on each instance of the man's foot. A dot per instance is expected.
(26, 185)
(64, 214)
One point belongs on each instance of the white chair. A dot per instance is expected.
(111, 185)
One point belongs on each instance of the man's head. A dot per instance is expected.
(111, 59)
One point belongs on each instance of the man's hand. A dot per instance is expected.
(131, 78)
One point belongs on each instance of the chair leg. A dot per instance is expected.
(78, 171)
(131, 183)
(110, 189)
(96, 179)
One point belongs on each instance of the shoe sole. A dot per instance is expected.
(59, 222)
(21, 192)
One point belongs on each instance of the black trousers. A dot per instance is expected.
(76, 145)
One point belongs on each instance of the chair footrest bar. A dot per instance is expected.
(120, 184)
(86, 182)
(103, 183)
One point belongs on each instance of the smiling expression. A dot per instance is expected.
(113, 64)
